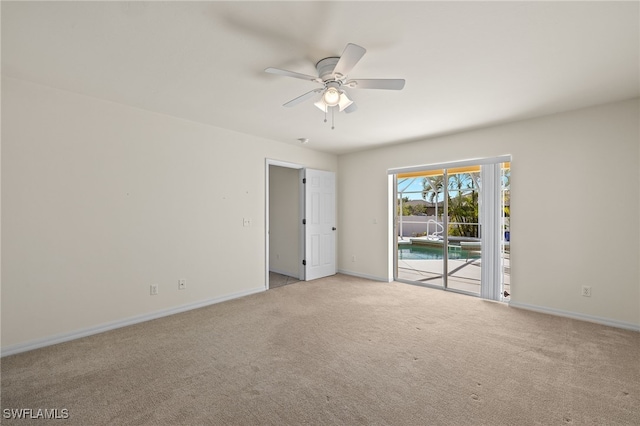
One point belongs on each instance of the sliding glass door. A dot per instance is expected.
(420, 225)
(452, 226)
(463, 242)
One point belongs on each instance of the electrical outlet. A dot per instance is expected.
(353, 258)
(182, 284)
(154, 289)
(586, 291)
(246, 222)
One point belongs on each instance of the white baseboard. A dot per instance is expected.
(369, 277)
(65, 337)
(576, 315)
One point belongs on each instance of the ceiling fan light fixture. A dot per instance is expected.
(322, 106)
(344, 101)
(331, 96)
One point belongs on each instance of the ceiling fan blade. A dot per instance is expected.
(350, 108)
(377, 83)
(349, 58)
(302, 98)
(293, 74)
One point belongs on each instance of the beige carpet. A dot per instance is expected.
(338, 351)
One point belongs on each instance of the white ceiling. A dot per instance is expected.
(467, 64)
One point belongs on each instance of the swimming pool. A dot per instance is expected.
(418, 252)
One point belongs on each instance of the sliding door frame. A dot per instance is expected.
(491, 282)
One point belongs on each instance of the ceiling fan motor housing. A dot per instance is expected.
(325, 68)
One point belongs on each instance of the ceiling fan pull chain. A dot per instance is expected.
(332, 117)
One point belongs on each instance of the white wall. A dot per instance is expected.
(284, 220)
(100, 200)
(582, 165)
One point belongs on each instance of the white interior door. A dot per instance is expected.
(320, 224)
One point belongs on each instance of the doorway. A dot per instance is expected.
(300, 223)
(284, 239)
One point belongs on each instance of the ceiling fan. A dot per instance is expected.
(333, 76)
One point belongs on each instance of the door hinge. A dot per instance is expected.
(304, 262)
(304, 180)
(304, 221)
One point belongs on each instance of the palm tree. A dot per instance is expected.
(463, 208)
(432, 186)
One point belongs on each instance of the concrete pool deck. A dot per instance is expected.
(463, 274)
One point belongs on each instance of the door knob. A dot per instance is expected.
(333, 229)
